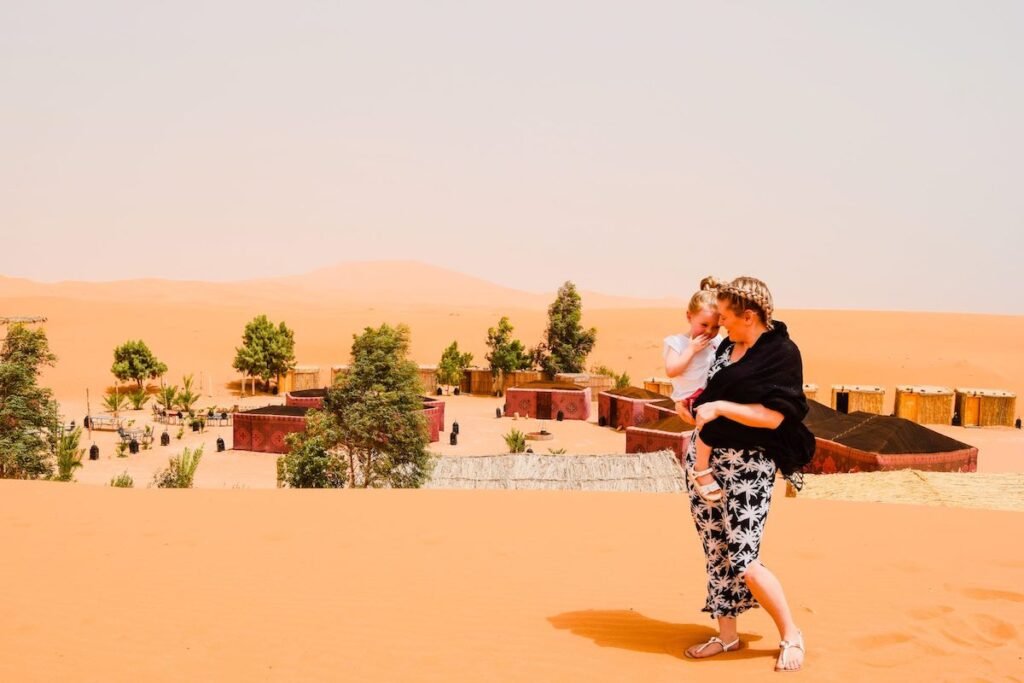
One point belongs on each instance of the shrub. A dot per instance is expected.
(516, 441)
(115, 402)
(138, 398)
(180, 470)
(123, 481)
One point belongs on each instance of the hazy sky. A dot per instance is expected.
(852, 154)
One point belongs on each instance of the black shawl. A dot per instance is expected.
(770, 373)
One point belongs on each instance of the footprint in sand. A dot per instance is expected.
(990, 594)
(931, 612)
(978, 631)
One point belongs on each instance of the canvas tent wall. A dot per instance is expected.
(852, 398)
(306, 398)
(264, 429)
(811, 391)
(670, 433)
(545, 400)
(985, 407)
(924, 404)
(655, 411)
(865, 442)
(621, 408)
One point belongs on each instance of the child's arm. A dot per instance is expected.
(676, 362)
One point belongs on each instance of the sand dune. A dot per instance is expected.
(281, 585)
(129, 585)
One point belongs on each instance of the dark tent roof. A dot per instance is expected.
(561, 386)
(635, 392)
(287, 411)
(672, 423)
(877, 433)
(309, 393)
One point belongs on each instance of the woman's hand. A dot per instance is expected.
(706, 413)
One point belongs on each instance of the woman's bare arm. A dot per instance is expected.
(751, 414)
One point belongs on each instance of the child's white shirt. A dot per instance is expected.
(695, 376)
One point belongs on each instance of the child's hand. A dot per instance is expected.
(699, 343)
(706, 413)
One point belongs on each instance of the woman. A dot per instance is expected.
(751, 415)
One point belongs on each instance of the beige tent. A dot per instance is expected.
(985, 407)
(924, 404)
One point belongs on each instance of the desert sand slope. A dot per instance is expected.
(130, 585)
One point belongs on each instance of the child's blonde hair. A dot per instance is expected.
(704, 298)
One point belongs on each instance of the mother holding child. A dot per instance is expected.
(745, 395)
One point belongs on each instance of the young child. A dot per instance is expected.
(687, 361)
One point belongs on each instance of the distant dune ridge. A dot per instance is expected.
(195, 326)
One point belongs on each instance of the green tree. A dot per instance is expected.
(313, 460)
(378, 429)
(621, 381)
(453, 364)
(566, 344)
(28, 413)
(134, 361)
(186, 398)
(267, 350)
(506, 354)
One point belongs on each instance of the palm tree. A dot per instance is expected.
(68, 454)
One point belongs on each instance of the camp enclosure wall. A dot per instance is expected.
(545, 400)
(621, 408)
(924, 404)
(596, 383)
(428, 378)
(852, 398)
(660, 385)
(985, 407)
(299, 378)
(483, 382)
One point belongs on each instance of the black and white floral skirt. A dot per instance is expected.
(731, 529)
